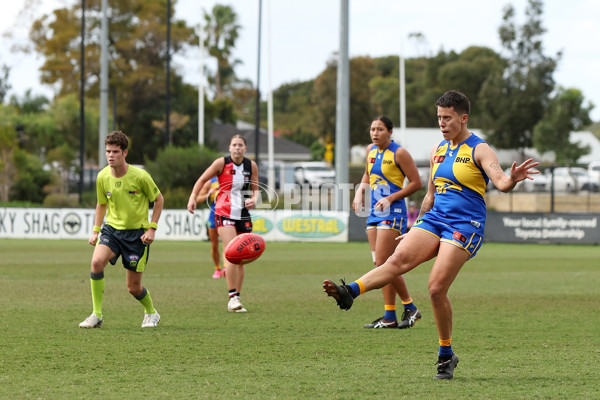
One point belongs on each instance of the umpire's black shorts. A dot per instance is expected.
(127, 244)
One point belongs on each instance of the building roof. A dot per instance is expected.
(284, 150)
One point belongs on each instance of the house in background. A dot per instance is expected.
(284, 150)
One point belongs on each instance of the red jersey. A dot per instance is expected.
(234, 184)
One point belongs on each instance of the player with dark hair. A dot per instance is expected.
(125, 191)
(387, 166)
(451, 221)
(238, 193)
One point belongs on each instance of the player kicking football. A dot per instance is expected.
(451, 222)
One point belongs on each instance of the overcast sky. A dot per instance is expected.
(304, 35)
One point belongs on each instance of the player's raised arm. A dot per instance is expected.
(214, 170)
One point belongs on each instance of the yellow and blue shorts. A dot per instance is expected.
(396, 223)
(463, 235)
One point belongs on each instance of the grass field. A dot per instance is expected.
(526, 326)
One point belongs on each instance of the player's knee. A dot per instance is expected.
(398, 261)
(437, 291)
(97, 265)
(135, 290)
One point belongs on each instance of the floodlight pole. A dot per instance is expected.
(82, 105)
(103, 128)
(168, 89)
(271, 181)
(257, 111)
(201, 89)
(342, 118)
(114, 107)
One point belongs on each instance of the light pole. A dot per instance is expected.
(257, 111)
(82, 105)
(342, 119)
(168, 94)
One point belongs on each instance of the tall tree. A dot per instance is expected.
(385, 87)
(31, 179)
(29, 103)
(427, 79)
(62, 161)
(8, 142)
(323, 100)
(514, 101)
(137, 52)
(566, 112)
(221, 32)
(57, 125)
(426, 88)
(362, 70)
(468, 73)
(4, 85)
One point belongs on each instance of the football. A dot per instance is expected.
(244, 248)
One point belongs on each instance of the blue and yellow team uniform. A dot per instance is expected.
(211, 223)
(459, 211)
(386, 177)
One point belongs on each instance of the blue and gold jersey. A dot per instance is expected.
(459, 183)
(214, 183)
(385, 177)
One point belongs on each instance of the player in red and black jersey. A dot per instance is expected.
(238, 192)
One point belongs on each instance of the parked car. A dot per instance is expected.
(314, 173)
(573, 179)
(594, 171)
(263, 173)
(540, 183)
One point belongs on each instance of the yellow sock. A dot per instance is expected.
(361, 286)
(97, 295)
(146, 301)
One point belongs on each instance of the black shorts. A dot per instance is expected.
(127, 244)
(241, 225)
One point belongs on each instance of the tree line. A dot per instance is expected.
(516, 102)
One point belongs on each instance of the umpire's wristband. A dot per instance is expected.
(153, 225)
(96, 228)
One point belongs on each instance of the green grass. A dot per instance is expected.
(526, 321)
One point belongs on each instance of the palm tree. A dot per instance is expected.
(221, 32)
